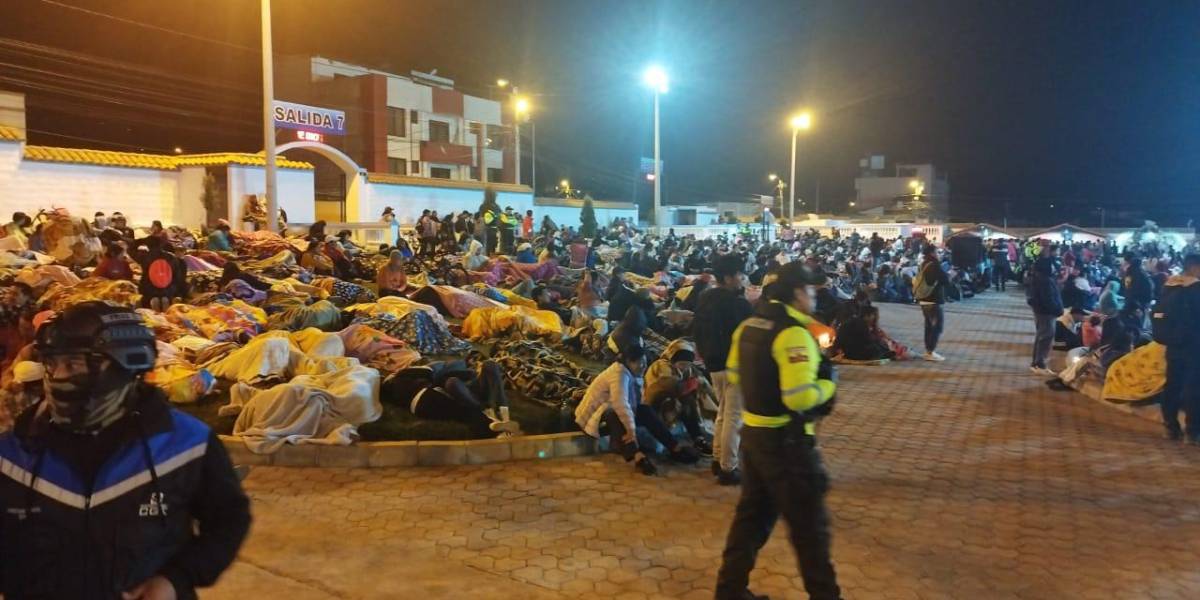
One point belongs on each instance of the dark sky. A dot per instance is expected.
(1072, 104)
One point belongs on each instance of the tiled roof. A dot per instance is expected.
(393, 179)
(238, 158)
(11, 134)
(163, 162)
(105, 158)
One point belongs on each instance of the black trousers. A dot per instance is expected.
(1182, 392)
(644, 416)
(782, 475)
(935, 321)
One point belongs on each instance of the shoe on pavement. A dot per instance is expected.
(703, 446)
(733, 477)
(1173, 434)
(933, 357)
(1043, 371)
(505, 426)
(646, 466)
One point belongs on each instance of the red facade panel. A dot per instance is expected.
(374, 115)
(447, 102)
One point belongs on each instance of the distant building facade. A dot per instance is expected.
(902, 188)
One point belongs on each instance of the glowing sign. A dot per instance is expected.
(311, 118)
(309, 136)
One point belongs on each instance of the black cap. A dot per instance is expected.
(98, 328)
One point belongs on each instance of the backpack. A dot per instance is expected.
(160, 273)
(922, 289)
(1166, 319)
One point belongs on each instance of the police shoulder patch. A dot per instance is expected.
(797, 354)
(759, 323)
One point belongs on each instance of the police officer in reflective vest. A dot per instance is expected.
(786, 386)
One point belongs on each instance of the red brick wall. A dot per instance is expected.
(374, 114)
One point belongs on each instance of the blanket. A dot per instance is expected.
(219, 321)
(514, 320)
(377, 349)
(1138, 375)
(113, 291)
(313, 409)
(295, 316)
(452, 301)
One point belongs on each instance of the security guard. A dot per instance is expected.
(786, 386)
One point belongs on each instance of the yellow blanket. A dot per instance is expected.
(491, 322)
(1138, 375)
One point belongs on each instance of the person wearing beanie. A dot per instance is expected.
(676, 389)
(391, 277)
(719, 310)
(787, 386)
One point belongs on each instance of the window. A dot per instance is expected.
(413, 117)
(416, 167)
(398, 166)
(495, 175)
(439, 131)
(496, 136)
(395, 117)
(475, 173)
(439, 172)
(906, 171)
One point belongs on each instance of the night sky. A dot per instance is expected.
(1078, 105)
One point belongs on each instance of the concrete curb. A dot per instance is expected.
(421, 453)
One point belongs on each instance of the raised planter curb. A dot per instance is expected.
(419, 453)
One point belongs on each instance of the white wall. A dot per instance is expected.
(409, 200)
(294, 189)
(143, 195)
(569, 215)
(191, 187)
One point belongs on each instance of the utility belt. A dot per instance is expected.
(793, 432)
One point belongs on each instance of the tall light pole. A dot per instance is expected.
(269, 119)
(798, 122)
(779, 186)
(656, 78)
(521, 108)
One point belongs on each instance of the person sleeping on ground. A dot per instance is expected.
(452, 391)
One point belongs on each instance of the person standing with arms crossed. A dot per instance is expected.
(787, 386)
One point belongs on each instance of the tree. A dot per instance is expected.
(209, 197)
(587, 219)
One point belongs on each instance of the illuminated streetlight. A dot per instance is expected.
(501, 83)
(656, 78)
(178, 150)
(772, 177)
(798, 121)
(522, 106)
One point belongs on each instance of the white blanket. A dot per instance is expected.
(322, 408)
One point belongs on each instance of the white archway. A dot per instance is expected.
(355, 175)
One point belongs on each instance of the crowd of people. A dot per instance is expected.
(638, 339)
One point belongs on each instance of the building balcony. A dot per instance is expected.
(447, 153)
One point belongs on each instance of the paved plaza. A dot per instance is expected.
(967, 479)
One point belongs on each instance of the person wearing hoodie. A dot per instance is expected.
(613, 402)
(1045, 299)
(930, 293)
(1139, 289)
(1176, 323)
(675, 386)
(1111, 301)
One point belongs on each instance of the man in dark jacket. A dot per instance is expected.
(931, 295)
(1139, 290)
(720, 310)
(1180, 305)
(1045, 298)
(109, 492)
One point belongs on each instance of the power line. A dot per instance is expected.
(160, 28)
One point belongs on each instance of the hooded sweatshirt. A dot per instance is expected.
(1189, 320)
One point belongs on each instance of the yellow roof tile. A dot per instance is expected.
(135, 160)
(11, 134)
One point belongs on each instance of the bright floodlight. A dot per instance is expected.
(501, 83)
(522, 106)
(801, 121)
(913, 184)
(772, 177)
(656, 78)
(565, 184)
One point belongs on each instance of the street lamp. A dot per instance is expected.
(501, 83)
(656, 78)
(798, 121)
(523, 108)
(779, 186)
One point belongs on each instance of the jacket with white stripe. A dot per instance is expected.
(165, 501)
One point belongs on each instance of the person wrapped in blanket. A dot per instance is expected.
(675, 387)
(613, 405)
(452, 391)
(164, 275)
(391, 277)
(859, 338)
(23, 391)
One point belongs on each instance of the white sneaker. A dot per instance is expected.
(505, 426)
(1043, 371)
(934, 357)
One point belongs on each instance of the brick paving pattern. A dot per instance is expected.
(967, 479)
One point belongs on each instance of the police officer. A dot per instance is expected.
(108, 492)
(786, 386)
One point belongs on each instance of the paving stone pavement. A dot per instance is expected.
(967, 479)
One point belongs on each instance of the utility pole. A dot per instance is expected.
(818, 206)
(268, 69)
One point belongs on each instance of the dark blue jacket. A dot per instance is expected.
(1045, 297)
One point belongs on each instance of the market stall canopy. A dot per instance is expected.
(986, 231)
(1068, 232)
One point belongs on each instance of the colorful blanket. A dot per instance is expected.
(1138, 375)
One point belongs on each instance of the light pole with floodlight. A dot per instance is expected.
(656, 78)
(798, 122)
